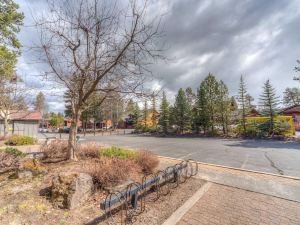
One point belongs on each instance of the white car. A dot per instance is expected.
(43, 130)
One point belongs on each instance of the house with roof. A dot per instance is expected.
(293, 111)
(22, 123)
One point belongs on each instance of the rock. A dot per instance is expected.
(71, 190)
(25, 173)
(30, 167)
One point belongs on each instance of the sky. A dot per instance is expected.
(257, 39)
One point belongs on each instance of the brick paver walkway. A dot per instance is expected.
(223, 205)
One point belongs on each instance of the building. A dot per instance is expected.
(22, 123)
(293, 111)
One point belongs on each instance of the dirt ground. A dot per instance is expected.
(26, 201)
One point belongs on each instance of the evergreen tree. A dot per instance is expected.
(269, 103)
(154, 112)
(211, 91)
(224, 106)
(249, 100)
(242, 100)
(145, 113)
(40, 105)
(136, 115)
(297, 69)
(182, 111)
(201, 118)
(172, 120)
(190, 95)
(233, 107)
(164, 120)
(130, 107)
(10, 22)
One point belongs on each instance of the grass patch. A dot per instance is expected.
(118, 152)
(20, 140)
(13, 151)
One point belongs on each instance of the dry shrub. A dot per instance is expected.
(88, 150)
(8, 160)
(108, 172)
(147, 161)
(3, 138)
(57, 149)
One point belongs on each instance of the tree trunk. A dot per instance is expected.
(5, 126)
(72, 136)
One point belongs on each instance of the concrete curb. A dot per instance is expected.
(234, 168)
(182, 210)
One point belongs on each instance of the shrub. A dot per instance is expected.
(10, 158)
(3, 138)
(118, 152)
(88, 150)
(13, 151)
(147, 161)
(108, 171)
(57, 149)
(20, 140)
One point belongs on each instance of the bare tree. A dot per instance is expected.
(93, 45)
(11, 101)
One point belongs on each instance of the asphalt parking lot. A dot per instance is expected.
(272, 156)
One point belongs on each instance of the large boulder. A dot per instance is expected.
(71, 190)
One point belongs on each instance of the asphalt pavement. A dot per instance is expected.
(271, 156)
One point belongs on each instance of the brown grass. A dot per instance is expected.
(88, 150)
(111, 171)
(57, 149)
(147, 161)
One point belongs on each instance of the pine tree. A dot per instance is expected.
(242, 100)
(297, 69)
(249, 100)
(154, 112)
(182, 111)
(233, 107)
(190, 95)
(10, 47)
(130, 107)
(145, 113)
(136, 115)
(164, 120)
(40, 105)
(201, 118)
(224, 106)
(269, 103)
(211, 91)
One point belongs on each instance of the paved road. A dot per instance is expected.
(277, 157)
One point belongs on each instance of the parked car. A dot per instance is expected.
(66, 129)
(43, 130)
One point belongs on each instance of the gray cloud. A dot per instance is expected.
(259, 39)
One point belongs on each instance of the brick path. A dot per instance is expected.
(223, 205)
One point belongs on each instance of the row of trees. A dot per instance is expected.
(211, 108)
(208, 108)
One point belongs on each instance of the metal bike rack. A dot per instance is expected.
(129, 198)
